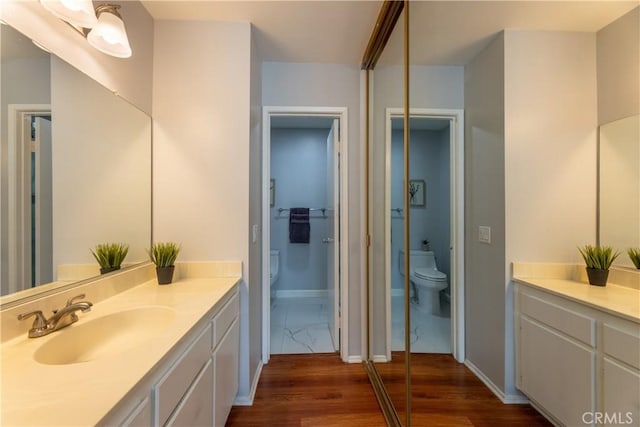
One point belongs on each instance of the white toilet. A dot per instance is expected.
(274, 266)
(426, 279)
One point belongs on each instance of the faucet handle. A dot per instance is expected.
(39, 326)
(72, 300)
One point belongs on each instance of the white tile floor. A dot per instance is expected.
(300, 325)
(429, 333)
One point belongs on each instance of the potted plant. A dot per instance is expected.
(598, 260)
(634, 255)
(164, 255)
(110, 256)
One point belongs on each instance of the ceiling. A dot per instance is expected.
(288, 31)
(442, 32)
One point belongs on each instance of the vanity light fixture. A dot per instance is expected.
(109, 35)
(79, 13)
(106, 31)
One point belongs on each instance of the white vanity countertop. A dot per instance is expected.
(83, 393)
(617, 300)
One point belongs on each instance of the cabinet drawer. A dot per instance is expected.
(196, 409)
(173, 385)
(223, 319)
(571, 323)
(623, 345)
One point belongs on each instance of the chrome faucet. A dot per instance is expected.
(60, 318)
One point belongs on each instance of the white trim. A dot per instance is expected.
(354, 359)
(457, 214)
(508, 399)
(15, 223)
(364, 297)
(302, 293)
(342, 114)
(380, 358)
(248, 400)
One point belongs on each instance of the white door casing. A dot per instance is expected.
(341, 213)
(456, 118)
(19, 193)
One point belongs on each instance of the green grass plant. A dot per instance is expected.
(598, 257)
(634, 255)
(164, 254)
(110, 255)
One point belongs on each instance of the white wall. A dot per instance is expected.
(101, 169)
(201, 158)
(618, 64)
(299, 167)
(255, 211)
(484, 205)
(23, 81)
(535, 137)
(329, 85)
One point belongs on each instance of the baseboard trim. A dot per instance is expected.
(302, 293)
(508, 399)
(379, 358)
(354, 359)
(248, 400)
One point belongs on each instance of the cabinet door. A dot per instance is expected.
(621, 394)
(556, 372)
(226, 374)
(196, 407)
(139, 417)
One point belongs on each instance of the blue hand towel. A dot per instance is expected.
(299, 227)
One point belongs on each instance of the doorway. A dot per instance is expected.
(436, 242)
(30, 260)
(304, 258)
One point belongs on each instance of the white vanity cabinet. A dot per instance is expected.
(196, 383)
(577, 364)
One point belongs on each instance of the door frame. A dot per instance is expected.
(329, 112)
(456, 139)
(18, 230)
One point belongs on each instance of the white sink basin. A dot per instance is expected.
(104, 336)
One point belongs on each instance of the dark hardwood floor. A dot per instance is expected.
(321, 390)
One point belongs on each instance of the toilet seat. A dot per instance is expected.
(430, 274)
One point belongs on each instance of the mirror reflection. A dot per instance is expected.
(76, 170)
(620, 186)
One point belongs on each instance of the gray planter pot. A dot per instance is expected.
(165, 274)
(597, 277)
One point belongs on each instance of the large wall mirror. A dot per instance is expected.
(620, 186)
(76, 171)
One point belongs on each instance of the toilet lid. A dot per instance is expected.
(431, 274)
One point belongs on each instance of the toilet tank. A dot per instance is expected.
(419, 259)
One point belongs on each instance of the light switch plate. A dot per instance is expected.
(484, 234)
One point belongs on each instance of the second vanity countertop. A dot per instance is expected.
(618, 300)
(84, 393)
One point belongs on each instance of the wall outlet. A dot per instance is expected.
(484, 234)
